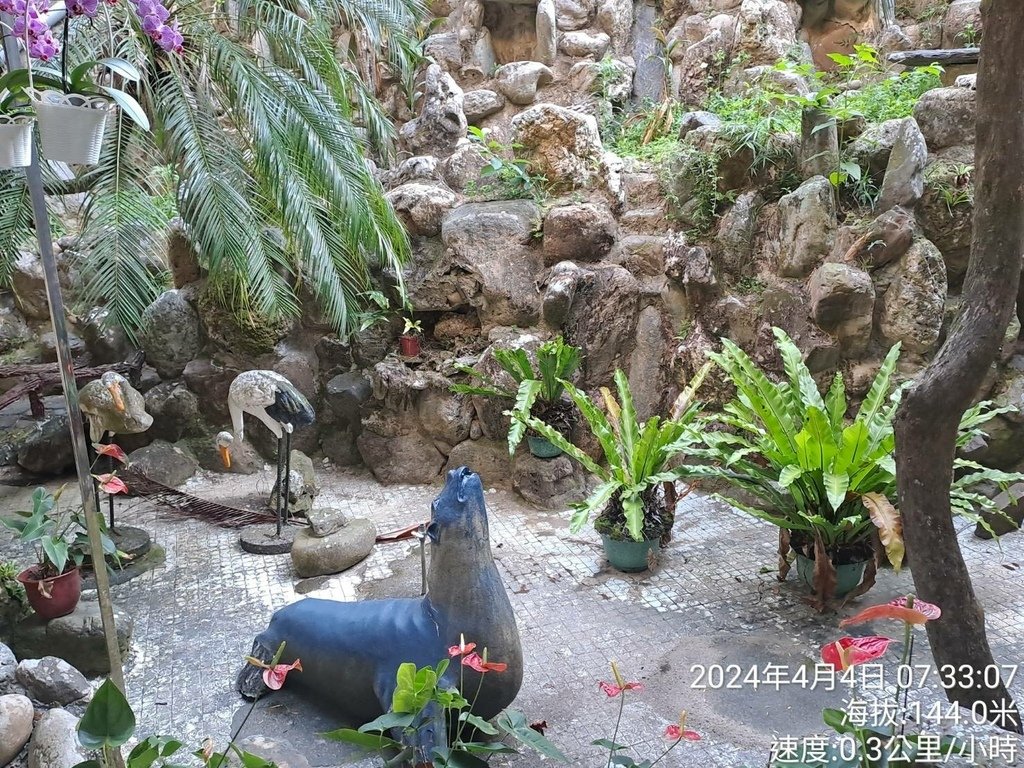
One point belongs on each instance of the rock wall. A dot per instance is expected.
(620, 256)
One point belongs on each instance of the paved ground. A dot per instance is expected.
(712, 600)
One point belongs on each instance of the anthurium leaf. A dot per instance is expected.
(609, 744)
(890, 526)
(837, 720)
(514, 724)
(388, 721)
(108, 720)
(367, 741)
(479, 723)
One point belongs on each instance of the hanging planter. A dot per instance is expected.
(15, 141)
(71, 125)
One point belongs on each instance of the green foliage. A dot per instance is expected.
(58, 537)
(428, 694)
(637, 454)
(792, 450)
(510, 175)
(811, 470)
(954, 183)
(10, 585)
(702, 198)
(541, 386)
(108, 721)
(269, 143)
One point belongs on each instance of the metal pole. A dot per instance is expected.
(34, 177)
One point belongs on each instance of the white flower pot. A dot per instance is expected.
(15, 141)
(71, 126)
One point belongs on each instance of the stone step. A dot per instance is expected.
(644, 221)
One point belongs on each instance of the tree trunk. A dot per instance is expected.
(927, 422)
(885, 12)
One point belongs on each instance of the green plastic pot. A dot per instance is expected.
(848, 577)
(542, 448)
(628, 556)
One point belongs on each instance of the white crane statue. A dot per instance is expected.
(275, 401)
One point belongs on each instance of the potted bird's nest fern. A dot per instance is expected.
(794, 459)
(535, 390)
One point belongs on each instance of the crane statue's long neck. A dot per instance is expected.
(236, 421)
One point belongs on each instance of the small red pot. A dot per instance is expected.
(53, 597)
(409, 345)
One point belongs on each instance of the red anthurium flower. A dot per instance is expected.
(613, 690)
(676, 733)
(111, 483)
(850, 651)
(274, 676)
(462, 648)
(931, 611)
(113, 450)
(920, 613)
(480, 664)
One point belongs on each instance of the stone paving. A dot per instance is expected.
(711, 600)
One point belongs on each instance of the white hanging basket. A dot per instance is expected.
(71, 126)
(15, 141)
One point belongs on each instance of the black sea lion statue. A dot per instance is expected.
(350, 652)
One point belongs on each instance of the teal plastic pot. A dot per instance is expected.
(848, 577)
(542, 448)
(628, 556)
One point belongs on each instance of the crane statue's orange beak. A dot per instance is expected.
(115, 393)
(225, 456)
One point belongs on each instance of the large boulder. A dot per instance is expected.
(843, 302)
(76, 638)
(444, 415)
(481, 103)
(913, 305)
(105, 341)
(546, 28)
(765, 31)
(46, 450)
(647, 369)
(571, 15)
(560, 144)
(16, 715)
(947, 117)
(14, 331)
(582, 44)
(29, 286)
(55, 742)
(442, 121)
(884, 240)
(519, 81)
(488, 458)
(52, 681)
(335, 552)
(461, 170)
(165, 463)
(175, 411)
(302, 487)
(808, 224)
(615, 17)
(548, 483)
(170, 334)
(946, 214)
(602, 322)
(492, 242)
(872, 148)
(421, 207)
(961, 25)
(578, 232)
(398, 454)
(734, 243)
(904, 176)
(211, 379)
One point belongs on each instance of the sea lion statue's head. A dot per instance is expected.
(459, 511)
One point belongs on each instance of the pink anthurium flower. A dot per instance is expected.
(921, 613)
(462, 648)
(113, 450)
(480, 664)
(850, 651)
(274, 676)
(111, 483)
(678, 731)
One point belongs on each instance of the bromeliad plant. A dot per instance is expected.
(796, 462)
(427, 701)
(628, 502)
(538, 390)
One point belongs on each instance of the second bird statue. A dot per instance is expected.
(275, 401)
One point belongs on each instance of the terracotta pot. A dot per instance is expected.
(409, 345)
(52, 597)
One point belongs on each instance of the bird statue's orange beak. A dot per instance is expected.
(225, 456)
(115, 393)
